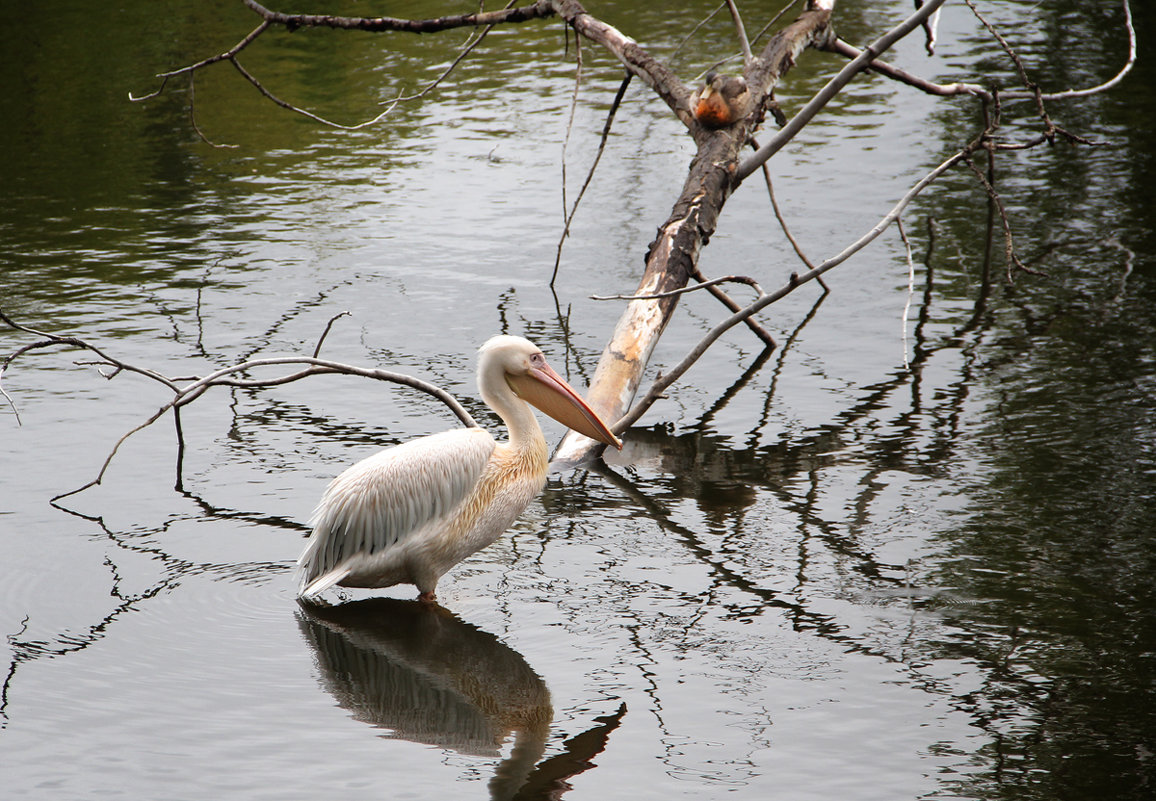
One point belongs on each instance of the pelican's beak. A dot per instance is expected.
(549, 392)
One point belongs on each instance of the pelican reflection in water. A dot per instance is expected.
(419, 672)
(409, 513)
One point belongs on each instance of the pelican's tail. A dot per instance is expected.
(311, 588)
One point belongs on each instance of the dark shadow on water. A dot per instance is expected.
(425, 675)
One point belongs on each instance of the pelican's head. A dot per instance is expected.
(522, 365)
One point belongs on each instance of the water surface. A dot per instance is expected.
(884, 561)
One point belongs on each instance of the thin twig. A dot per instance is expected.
(846, 50)
(1031, 85)
(8, 398)
(696, 29)
(726, 300)
(589, 175)
(774, 19)
(194, 387)
(726, 279)
(226, 56)
(325, 333)
(930, 30)
(740, 31)
(193, 115)
(1119, 76)
(54, 340)
(1009, 242)
(712, 286)
(565, 145)
(779, 214)
(910, 287)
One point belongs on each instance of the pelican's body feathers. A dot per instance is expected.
(409, 513)
(368, 513)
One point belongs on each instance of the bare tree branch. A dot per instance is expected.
(325, 333)
(910, 286)
(782, 221)
(193, 115)
(697, 28)
(1111, 82)
(778, 15)
(833, 87)
(194, 387)
(633, 56)
(711, 286)
(725, 299)
(485, 20)
(883, 68)
(1009, 242)
(740, 31)
(226, 56)
(930, 30)
(664, 381)
(537, 10)
(704, 284)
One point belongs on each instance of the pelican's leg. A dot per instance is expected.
(428, 597)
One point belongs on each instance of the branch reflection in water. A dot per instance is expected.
(427, 676)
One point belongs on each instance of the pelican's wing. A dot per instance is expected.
(383, 499)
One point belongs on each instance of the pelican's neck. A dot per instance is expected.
(525, 433)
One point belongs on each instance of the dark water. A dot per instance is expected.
(884, 561)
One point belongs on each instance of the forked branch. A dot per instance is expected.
(187, 389)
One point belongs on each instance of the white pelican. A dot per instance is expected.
(409, 513)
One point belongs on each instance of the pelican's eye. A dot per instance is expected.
(537, 360)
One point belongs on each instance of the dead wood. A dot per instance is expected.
(673, 256)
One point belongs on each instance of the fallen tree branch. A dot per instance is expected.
(833, 87)
(537, 10)
(665, 380)
(291, 22)
(673, 256)
(188, 389)
(740, 31)
(945, 90)
(716, 171)
(705, 284)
